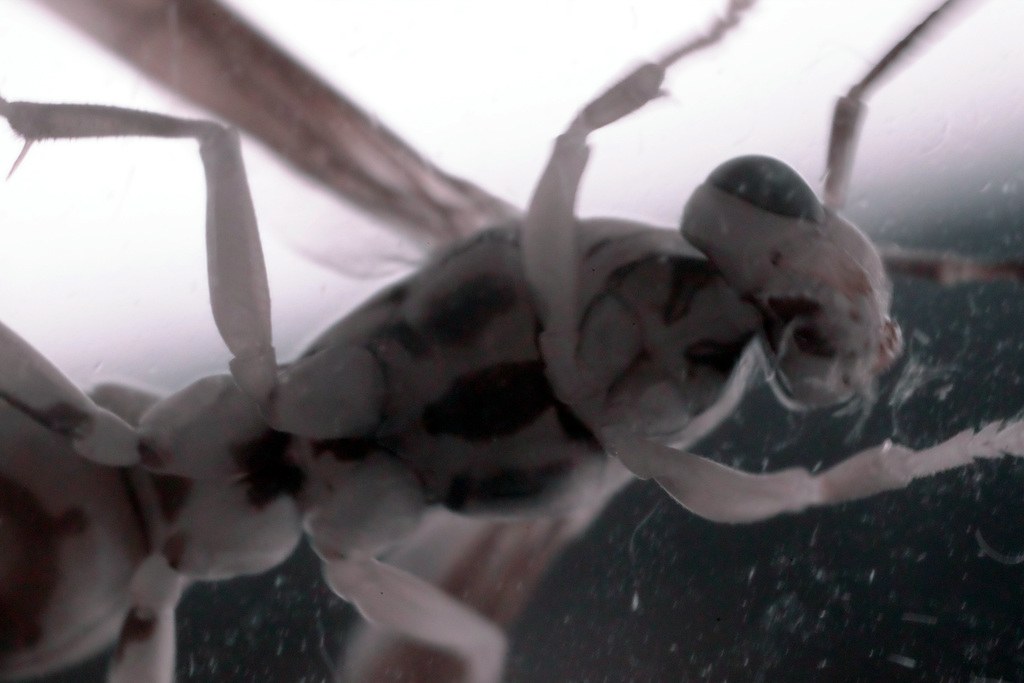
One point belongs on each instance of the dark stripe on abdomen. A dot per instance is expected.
(499, 401)
(460, 316)
(496, 401)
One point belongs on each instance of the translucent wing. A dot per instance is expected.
(243, 77)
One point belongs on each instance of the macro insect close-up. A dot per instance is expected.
(494, 383)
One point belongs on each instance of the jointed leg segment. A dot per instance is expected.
(146, 647)
(849, 114)
(33, 385)
(239, 293)
(412, 607)
(722, 494)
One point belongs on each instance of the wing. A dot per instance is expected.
(241, 76)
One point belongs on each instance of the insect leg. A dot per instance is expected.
(412, 607)
(849, 114)
(239, 294)
(949, 269)
(146, 647)
(34, 386)
(354, 509)
(723, 494)
(549, 229)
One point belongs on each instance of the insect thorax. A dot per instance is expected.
(469, 407)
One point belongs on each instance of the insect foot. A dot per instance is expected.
(891, 467)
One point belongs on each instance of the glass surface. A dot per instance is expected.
(102, 269)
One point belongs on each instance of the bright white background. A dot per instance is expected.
(101, 261)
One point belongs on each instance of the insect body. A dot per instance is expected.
(497, 380)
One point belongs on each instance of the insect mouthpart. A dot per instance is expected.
(890, 347)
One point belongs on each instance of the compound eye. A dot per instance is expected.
(770, 185)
